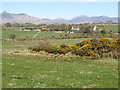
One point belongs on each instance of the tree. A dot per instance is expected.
(8, 25)
(12, 36)
(103, 32)
(109, 22)
(85, 29)
(110, 32)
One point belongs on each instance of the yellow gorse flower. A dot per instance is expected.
(104, 50)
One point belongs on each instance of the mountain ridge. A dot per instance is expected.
(24, 18)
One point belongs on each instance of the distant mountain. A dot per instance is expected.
(18, 18)
(86, 19)
(24, 18)
(60, 20)
(80, 19)
(45, 19)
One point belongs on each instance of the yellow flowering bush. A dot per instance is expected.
(91, 53)
(92, 48)
(86, 46)
(104, 50)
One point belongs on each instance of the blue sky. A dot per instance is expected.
(65, 10)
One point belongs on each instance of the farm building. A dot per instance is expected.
(75, 28)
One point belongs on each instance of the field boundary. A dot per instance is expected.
(55, 38)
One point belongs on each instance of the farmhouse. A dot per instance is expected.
(94, 29)
(75, 28)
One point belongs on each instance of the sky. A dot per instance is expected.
(65, 10)
(59, 0)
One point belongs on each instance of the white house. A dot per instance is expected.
(75, 28)
(94, 29)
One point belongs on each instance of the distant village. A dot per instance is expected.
(57, 28)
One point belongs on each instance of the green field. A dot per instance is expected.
(27, 71)
(36, 70)
(114, 28)
(42, 70)
(30, 34)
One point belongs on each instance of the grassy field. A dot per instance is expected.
(29, 71)
(30, 34)
(114, 28)
(32, 70)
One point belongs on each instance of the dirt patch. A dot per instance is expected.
(27, 52)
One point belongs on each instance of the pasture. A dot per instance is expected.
(55, 71)
(49, 71)
(112, 27)
(44, 70)
(30, 34)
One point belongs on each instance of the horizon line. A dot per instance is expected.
(58, 17)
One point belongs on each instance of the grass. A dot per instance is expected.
(21, 45)
(55, 71)
(107, 28)
(30, 34)
(21, 71)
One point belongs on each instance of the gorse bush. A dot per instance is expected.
(95, 48)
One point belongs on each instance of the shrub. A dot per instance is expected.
(79, 52)
(12, 36)
(63, 46)
(95, 48)
(50, 49)
(103, 32)
(37, 48)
